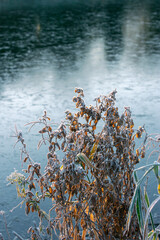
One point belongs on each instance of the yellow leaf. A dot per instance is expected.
(158, 188)
(94, 149)
(61, 168)
(50, 190)
(18, 191)
(84, 234)
(92, 217)
(137, 152)
(41, 187)
(25, 159)
(70, 196)
(70, 208)
(94, 127)
(75, 211)
(87, 210)
(49, 129)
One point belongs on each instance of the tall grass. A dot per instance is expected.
(140, 199)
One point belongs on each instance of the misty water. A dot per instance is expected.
(47, 48)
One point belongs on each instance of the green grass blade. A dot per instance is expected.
(156, 171)
(148, 204)
(135, 177)
(139, 209)
(146, 173)
(139, 205)
(155, 236)
(150, 234)
(83, 158)
(149, 165)
(131, 208)
(147, 215)
(130, 211)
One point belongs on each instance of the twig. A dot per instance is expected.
(17, 206)
(17, 235)
(5, 222)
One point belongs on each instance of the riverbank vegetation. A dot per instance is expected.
(92, 183)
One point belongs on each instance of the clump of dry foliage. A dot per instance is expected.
(91, 186)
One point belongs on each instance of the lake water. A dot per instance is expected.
(47, 48)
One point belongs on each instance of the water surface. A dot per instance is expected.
(47, 48)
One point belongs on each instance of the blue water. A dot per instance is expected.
(47, 48)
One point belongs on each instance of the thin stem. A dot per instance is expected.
(5, 222)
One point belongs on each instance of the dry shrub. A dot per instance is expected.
(92, 185)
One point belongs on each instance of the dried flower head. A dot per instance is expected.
(15, 177)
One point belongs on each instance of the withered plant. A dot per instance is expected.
(91, 186)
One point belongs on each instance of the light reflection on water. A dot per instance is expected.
(45, 52)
